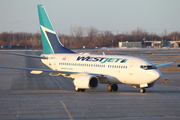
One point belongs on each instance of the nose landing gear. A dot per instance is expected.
(142, 90)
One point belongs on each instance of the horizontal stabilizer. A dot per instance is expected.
(165, 64)
(32, 56)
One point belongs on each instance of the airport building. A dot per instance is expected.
(150, 44)
(130, 44)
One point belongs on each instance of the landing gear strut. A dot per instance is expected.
(142, 90)
(78, 90)
(113, 87)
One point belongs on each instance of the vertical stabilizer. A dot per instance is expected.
(50, 41)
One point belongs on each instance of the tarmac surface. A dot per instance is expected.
(24, 96)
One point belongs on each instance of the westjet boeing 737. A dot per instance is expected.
(87, 70)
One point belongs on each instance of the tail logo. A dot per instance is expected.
(50, 41)
(45, 34)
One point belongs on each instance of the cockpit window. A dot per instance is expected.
(147, 67)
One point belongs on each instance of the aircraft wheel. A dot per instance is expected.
(82, 90)
(114, 87)
(76, 89)
(142, 90)
(109, 87)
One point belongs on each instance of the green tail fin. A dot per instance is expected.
(50, 41)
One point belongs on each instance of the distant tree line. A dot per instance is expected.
(89, 37)
(31, 40)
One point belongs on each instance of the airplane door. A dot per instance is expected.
(131, 67)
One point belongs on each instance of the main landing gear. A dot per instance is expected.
(113, 87)
(79, 90)
(142, 90)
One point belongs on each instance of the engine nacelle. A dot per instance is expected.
(86, 82)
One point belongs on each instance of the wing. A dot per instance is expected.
(102, 77)
(165, 64)
(33, 56)
(38, 71)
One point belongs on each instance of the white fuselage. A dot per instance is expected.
(117, 69)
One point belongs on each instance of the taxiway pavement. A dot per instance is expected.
(26, 96)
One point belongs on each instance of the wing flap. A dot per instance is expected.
(36, 72)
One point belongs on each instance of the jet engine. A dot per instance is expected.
(86, 82)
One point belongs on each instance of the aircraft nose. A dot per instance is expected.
(155, 75)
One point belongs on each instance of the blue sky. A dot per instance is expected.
(113, 15)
